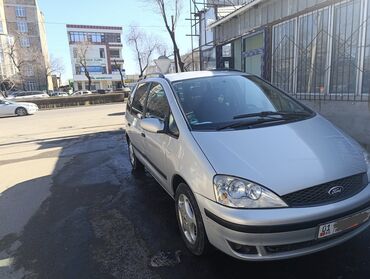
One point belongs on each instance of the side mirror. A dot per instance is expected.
(152, 125)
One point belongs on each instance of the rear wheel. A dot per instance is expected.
(135, 163)
(190, 221)
(21, 112)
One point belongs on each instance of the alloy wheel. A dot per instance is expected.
(131, 154)
(187, 219)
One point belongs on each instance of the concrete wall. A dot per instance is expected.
(73, 101)
(351, 117)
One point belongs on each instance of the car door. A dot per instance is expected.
(134, 115)
(156, 143)
(6, 108)
(3, 108)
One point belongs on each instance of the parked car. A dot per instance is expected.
(13, 108)
(28, 95)
(103, 91)
(59, 94)
(252, 171)
(82, 92)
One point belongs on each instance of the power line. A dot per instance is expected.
(123, 26)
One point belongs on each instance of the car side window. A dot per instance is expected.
(139, 98)
(157, 105)
(172, 126)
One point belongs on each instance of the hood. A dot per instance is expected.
(284, 158)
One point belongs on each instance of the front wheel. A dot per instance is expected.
(135, 163)
(21, 112)
(190, 221)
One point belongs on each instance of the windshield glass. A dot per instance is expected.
(210, 103)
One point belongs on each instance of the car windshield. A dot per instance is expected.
(235, 102)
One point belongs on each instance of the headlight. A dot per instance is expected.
(240, 193)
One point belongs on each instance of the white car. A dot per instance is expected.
(82, 92)
(28, 95)
(8, 108)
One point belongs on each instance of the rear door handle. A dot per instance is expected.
(143, 135)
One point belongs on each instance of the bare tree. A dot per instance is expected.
(53, 66)
(21, 58)
(144, 47)
(118, 67)
(81, 53)
(170, 11)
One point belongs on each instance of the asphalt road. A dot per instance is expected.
(71, 208)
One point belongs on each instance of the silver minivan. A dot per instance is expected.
(252, 171)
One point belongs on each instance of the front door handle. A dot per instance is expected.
(143, 135)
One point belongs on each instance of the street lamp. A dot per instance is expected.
(163, 63)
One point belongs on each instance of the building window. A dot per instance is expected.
(312, 52)
(102, 53)
(93, 37)
(20, 11)
(96, 38)
(319, 52)
(116, 68)
(25, 42)
(208, 59)
(28, 71)
(113, 38)
(114, 53)
(74, 52)
(345, 49)
(366, 71)
(78, 70)
(253, 50)
(283, 55)
(22, 26)
(31, 85)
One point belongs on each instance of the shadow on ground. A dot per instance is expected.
(102, 221)
(116, 114)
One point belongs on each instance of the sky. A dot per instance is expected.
(107, 12)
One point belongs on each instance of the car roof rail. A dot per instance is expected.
(159, 75)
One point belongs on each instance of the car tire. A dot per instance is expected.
(187, 211)
(21, 112)
(136, 165)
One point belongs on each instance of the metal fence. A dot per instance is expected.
(325, 54)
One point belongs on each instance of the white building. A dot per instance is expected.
(103, 57)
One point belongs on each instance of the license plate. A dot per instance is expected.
(343, 224)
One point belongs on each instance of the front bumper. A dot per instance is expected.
(32, 110)
(274, 234)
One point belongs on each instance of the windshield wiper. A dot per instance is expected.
(271, 113)
(249, 124)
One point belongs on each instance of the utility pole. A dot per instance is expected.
(174, 46)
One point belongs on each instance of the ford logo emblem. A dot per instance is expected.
(335, 190)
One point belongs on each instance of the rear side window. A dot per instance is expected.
(138, 101)
(157, 102)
